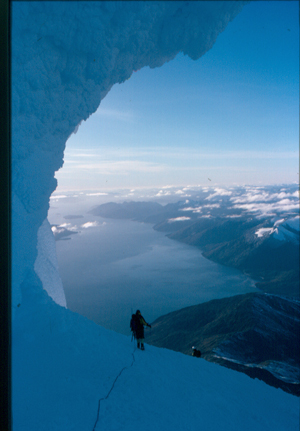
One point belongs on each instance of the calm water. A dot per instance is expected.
(110, 270)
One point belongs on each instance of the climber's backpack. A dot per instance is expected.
(133, 324)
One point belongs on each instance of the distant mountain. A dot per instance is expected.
(137, 211)
(249, 245)
(257, 334)
(265, 247)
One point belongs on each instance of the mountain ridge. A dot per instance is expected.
(250, 333)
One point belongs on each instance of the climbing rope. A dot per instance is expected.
(114, 382)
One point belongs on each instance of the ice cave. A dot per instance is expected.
(65, 57)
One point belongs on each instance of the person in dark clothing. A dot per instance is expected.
(137, 324)
(196, 352)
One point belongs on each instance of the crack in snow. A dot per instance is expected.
(112, 387)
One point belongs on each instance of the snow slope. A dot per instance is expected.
(64, 364)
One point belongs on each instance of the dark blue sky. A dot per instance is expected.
(232, 115)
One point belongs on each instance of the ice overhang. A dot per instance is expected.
(66, 56)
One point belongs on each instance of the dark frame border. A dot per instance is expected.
(5, 218)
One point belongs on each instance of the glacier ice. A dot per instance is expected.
(46, 265)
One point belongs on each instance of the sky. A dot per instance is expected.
(228, 118)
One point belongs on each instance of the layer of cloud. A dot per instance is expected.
(272, 208)
(257, 201)
(58, 197)
(252, 196)
(219, 192)
(68, 226)
(193, 209)
(90, 224)
(177, 152)
(96, 194)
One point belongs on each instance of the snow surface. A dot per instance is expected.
(264, 231)
(283, 234)
(282, 230)
(65, 58)
(68, 363)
